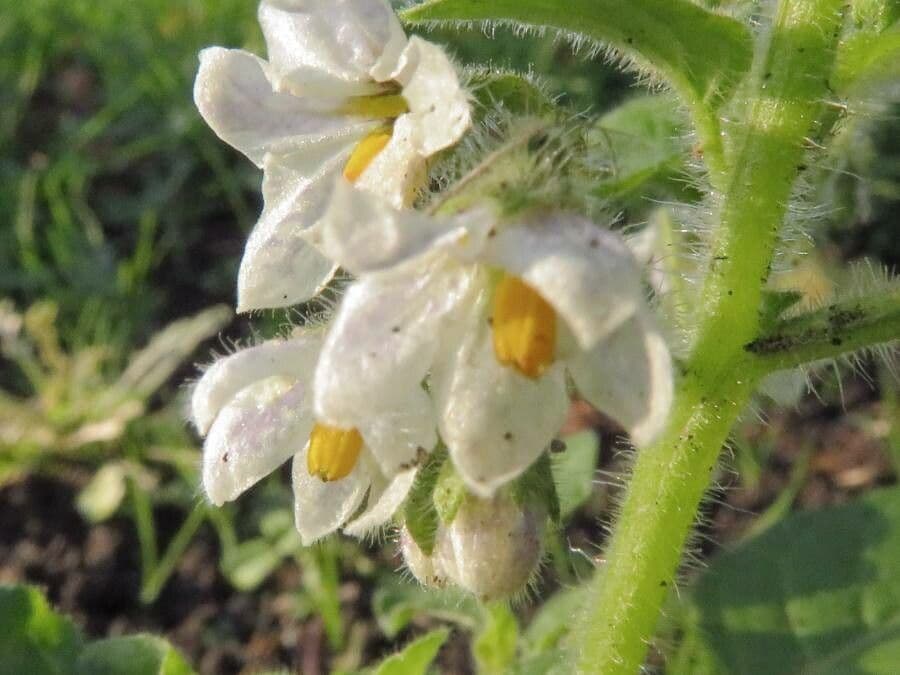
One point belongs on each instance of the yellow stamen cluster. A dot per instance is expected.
(388, 105)
(363, 154)
(333, 452)
(524, 327)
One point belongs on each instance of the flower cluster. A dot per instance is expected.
(463, 330)
(344, 91)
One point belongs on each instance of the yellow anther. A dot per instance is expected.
(524, 326)
(363, 154)
(332, 452)
(387, 106)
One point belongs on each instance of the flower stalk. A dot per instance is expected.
(670, 478)
(829, 332)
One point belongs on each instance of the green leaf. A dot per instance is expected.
(775, 304)
(33, 638)
(700, 53)
(553, 621)
(495, 647)
(549, 663)
(396, 602)
(867, 58)
(639, 143)
(133, 655)
(537, 486)
(817, 593)
(874, 14)
(449, 493)
(420, 514)
(573, 470)
(416, 656)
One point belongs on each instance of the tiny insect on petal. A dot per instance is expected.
(333, 452)
(524, 327)
(363, 154)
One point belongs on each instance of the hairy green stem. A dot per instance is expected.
(790, 85)
(709, 133)
(671, 477)
(668, 481)
(831, 331)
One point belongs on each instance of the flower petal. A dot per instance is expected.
(280, 267)
(494, 421)
(644, 244)
(236, 98)
(587, 274)
(422, 566)
(382, 506)
(383, 339)
(365, 234)
(320, 508)
(381, 343)
(294, 358)
(400, 436)
(629, 377)
(439, 110)
(278, 272)
(341, 41)
(255, 432)
(397, 172)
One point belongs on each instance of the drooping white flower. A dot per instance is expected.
(344, 90)
(255, 409)
(497, 313)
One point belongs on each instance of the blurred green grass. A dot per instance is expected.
(118, 204)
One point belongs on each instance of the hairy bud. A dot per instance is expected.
(491, 549)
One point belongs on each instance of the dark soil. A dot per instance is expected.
(93, 572)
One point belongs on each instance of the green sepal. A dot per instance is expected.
(536, 486)
(449, 493)
(775, 304)
(513, 91)
(419, 512)
(866, 59)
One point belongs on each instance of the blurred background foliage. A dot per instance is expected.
(122, 220)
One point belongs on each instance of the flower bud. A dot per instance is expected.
(491, 549)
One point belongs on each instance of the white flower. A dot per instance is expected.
(497, 313)
(344, 90)
(255, 409)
